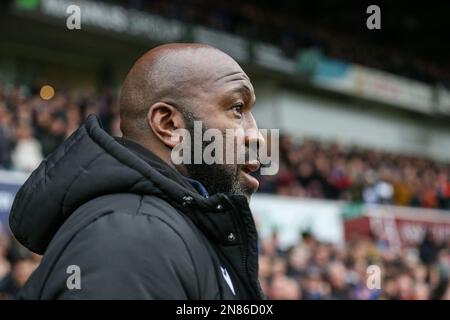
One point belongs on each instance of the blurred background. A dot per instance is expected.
(364, 117)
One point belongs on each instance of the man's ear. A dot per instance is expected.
(164, 119)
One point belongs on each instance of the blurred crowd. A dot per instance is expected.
(31, 128)
(288, 25)
(316, 169)
(362, 269)
(16, 266)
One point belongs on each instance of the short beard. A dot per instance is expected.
(216, 178)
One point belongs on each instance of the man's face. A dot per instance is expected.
(225, 102)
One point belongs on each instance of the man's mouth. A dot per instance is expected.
(247, 179)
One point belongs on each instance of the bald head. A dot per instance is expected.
(176, 74)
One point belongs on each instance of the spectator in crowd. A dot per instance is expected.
(5, 265)
(27, 154)
(16, 266)
(6, 135)
(428, 249)
(284, 288)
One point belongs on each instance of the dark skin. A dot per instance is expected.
(198, 78)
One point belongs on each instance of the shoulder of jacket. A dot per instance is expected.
(141, 218)
(130, 204)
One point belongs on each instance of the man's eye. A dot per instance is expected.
(237, 109)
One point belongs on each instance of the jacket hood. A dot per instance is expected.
(89, 164)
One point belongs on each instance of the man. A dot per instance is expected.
(116, 219)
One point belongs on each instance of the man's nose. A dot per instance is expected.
(253, 136)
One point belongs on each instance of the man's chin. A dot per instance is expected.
(249, 184)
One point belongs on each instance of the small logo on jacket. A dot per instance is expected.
(227, 278)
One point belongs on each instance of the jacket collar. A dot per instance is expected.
(153, 160)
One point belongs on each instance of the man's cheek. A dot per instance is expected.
(235, 169)
(234, 149)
